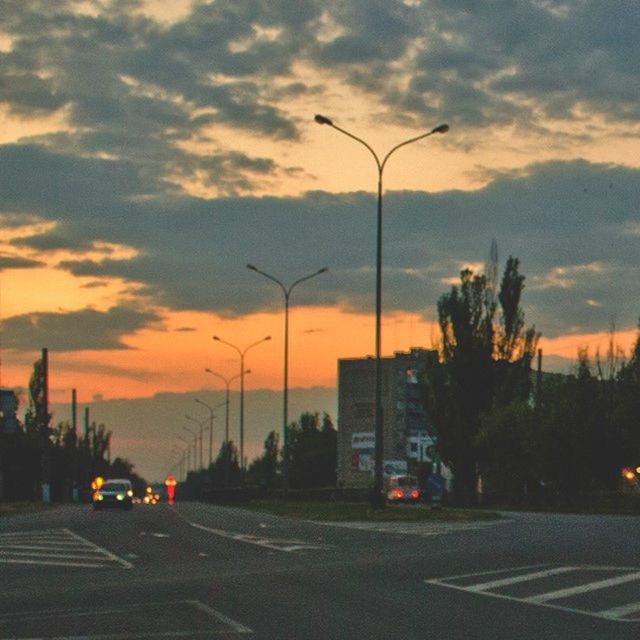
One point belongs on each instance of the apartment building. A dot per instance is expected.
(408, 432)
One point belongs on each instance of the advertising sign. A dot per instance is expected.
(365, 462)
(363, 440)
(394, 467)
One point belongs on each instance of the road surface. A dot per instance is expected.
(201, 571)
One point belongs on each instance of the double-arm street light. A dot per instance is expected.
(195, 447)
(241, 353)
(199, 432)
(211, 417)
(285, 387)
(227, 384)
(187, 453)
(377, 498)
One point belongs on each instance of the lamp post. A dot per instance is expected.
(227, 383)
(242, 353)
(285, 386)
(188, 454)
(211, 417)
(201, 425)
(195, 446)
(377, 498)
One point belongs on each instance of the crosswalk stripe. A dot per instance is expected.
(583, 588)
(55, 547)
(504, 582)
(616, 613)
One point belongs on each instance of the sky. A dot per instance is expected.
(149, 150)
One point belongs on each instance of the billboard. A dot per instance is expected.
(363, 440)
(394, 467)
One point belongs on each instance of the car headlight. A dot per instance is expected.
(120, 496)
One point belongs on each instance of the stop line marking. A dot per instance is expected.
(623, 612)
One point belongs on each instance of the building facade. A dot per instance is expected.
(408, 433)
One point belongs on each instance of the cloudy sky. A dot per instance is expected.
(149, 150)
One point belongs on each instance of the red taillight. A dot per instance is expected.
(415, 494)
(398, 493)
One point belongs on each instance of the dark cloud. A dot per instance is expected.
(136, 93)
(16, 262)
(75, 330)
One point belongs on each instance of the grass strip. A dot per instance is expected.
(13, 508)
(362, 512)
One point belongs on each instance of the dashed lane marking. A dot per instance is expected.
(287, 546)
(56, 547)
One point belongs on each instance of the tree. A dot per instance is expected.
(263, 470)
(312, 452)
(227, 461)
(485, 362)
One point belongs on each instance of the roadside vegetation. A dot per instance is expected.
(362, 512)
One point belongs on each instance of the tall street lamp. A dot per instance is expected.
(377, 498)
(242, 353)
(201, 425)
(195, 446)
(227, 383)
(285, 393)
(211, 417)
(188, 454)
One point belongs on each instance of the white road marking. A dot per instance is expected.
(55, 547)
(286, 546)
(236, 626)
(115, 558)
(616, 613)
(503, 582)
(620, 613)
(584, 588)
(230, 625)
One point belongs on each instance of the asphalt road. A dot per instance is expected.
(200, 571)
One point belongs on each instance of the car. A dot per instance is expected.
(116, 493)
(403, 489)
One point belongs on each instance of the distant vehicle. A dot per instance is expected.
(116, 493)
(403, 489)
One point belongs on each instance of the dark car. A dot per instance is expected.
(114, 493)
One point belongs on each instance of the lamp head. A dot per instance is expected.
(250, 266)
(322, 119)
(441, 128)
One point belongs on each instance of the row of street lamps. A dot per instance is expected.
(378, 499)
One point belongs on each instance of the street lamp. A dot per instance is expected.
(377, 499)
(201, 425)
(241, 353)
(188, 454)
(285, 393)
(195, 446)
(211, 417)
(227, 383)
